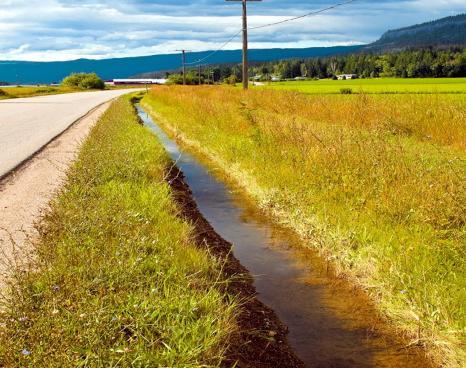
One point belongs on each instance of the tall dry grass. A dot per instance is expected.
(376, 183)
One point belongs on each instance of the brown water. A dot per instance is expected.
(330, 323)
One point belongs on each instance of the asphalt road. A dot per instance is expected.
(27, 124)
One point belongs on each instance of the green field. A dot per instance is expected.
(374, 182)
(377, 86)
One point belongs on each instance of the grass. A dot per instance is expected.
(18, 92)
(21, 92)
(376, 183)
(118, 281)
(376, 86)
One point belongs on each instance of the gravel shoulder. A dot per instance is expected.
(25, 192)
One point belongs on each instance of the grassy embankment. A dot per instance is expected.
(117, 281)
(18, 92)
(376, 86)
(375, 182)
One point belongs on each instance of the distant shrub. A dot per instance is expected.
(84, 81)
(175, 79)
(346, 91)
(192, 78)
(3, 93)
(232, 80)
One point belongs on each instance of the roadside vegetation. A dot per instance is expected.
(376, 183)
(18, 92)
(117, 280)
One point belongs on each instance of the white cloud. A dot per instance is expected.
(65, 29)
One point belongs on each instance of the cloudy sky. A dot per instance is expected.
(65, 29)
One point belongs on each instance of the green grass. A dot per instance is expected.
(375, 86)
(118, 281)
(376, 183)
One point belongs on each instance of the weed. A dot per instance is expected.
(346, 91)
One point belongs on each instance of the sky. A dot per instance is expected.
(45, 30)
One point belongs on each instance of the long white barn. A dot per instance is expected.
(137, 81)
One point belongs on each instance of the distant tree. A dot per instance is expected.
(84, 81)
(304, 70)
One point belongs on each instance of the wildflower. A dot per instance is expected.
(56, 288)
(25, 352)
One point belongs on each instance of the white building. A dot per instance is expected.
(137, 81)
(347, 76)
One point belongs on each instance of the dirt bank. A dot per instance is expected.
(262, 339)
(25, 192)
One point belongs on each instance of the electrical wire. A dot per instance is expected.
(214, 52)
(270, 25)
(303, 16)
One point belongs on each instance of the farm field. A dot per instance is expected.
(375, 86)
(378, 190)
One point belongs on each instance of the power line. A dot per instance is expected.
(219, 49)
(183, 60)
(316, 12)
(304, 16)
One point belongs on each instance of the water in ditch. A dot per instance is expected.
(330, 323)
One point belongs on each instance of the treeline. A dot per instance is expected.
(425, 63)
(404, 64)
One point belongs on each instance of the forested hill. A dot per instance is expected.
(450, 31)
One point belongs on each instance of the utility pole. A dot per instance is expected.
(245, 42)
(199, 72)
(212, 73)
(183, 60)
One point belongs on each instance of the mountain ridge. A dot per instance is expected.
(448, 31)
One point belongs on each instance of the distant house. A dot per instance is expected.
(347, 76)
(137, 81)
(275, 78)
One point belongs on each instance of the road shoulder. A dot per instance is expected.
(26, 192)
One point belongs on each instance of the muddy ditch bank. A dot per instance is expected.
(261, 341)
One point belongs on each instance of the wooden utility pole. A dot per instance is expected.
(245, 42)
(199, 72)
(183, 60)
